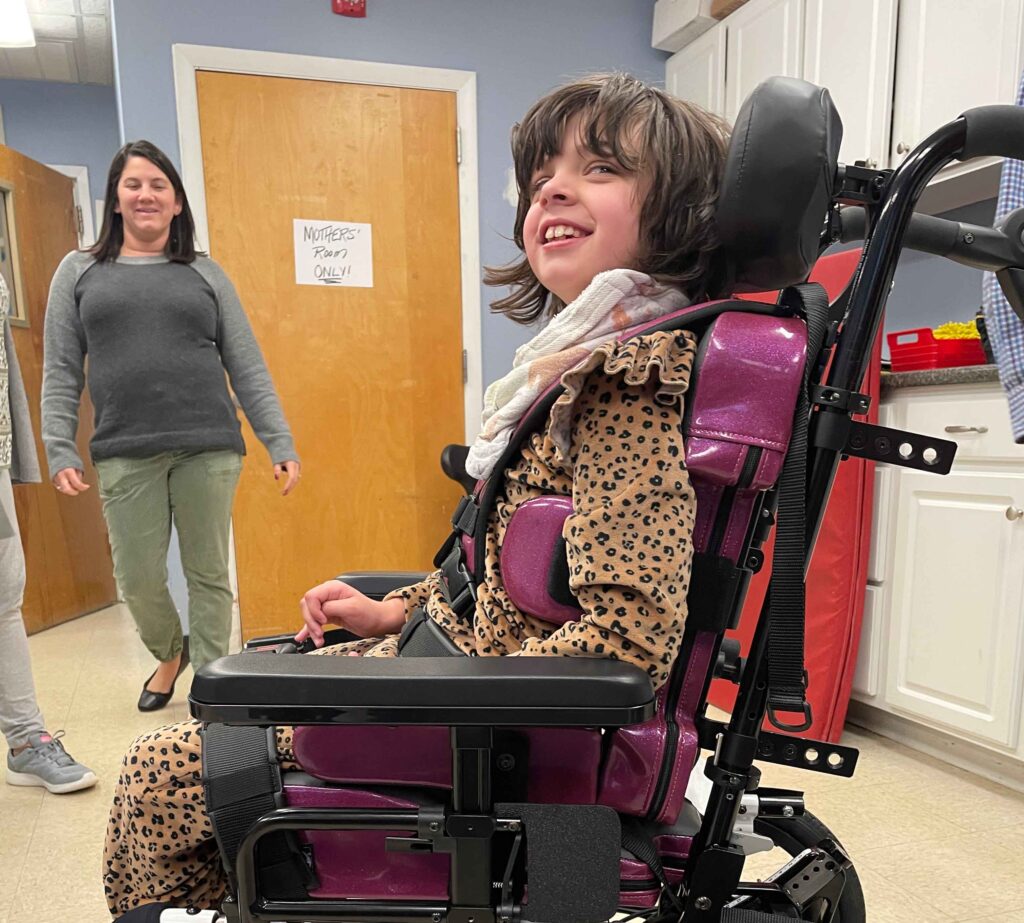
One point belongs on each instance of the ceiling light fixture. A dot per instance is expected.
(15, 26)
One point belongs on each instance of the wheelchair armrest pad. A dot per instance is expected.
(492, 691)
(377, 584)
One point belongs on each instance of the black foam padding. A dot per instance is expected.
(147, 913)
(994, 131)
(734, 915)
(778, 181)
(572, 861)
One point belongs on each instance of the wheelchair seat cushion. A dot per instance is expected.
(421, 757)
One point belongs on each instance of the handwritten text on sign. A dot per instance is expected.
(333, 253)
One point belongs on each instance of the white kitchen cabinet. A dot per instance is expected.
(850, 48)
(956, 620)
(942, 644)
(697, 73)
(952, 56)
(764, 38)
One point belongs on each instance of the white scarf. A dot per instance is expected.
(614, 300)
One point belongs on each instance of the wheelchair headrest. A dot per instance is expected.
(780, 173)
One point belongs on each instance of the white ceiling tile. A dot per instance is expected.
(58, 7)
(74, 44)
(23, 64)
(57, 61)
(95, 52)
(46, 26)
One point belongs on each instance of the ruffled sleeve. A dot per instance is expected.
(667, 356)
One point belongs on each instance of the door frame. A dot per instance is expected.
(188, 59)
(80, 174)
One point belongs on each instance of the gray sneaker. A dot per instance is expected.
(45, 762)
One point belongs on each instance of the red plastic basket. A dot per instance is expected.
(918, 349)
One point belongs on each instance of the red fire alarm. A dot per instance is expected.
(355, 8)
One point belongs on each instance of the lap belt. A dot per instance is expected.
(242, 782)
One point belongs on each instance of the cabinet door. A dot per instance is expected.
(850, 48)
(952, 56)
(764, 39)
(697, 73)
(957, 603)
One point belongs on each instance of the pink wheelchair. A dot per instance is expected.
(438, 788)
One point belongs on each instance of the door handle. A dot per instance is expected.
(1014, 513)
(966, 429)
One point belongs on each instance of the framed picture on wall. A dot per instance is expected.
(9, 266)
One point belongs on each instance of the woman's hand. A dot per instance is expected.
(336, 603)
(291, 470)
(69, 481)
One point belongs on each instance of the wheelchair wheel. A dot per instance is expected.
(794, 835)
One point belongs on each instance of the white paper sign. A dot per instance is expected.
(333, 253)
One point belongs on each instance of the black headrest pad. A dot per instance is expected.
(778, 182)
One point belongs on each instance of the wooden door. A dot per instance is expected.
(370, 377)
(67, 557)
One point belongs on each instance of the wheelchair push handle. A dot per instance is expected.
(991, 249)
(993, 131)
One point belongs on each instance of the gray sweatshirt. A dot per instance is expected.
(159, 337)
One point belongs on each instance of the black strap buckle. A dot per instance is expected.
(464, 517)
(457, 585)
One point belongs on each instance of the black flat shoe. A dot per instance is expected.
(154, 701)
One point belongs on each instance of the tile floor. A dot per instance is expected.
(931, 843)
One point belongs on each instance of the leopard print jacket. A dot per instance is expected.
(614, 443)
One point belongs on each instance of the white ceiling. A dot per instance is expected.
(72, 44)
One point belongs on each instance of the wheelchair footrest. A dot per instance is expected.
(572, 861)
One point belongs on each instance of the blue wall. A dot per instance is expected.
(929, 290)
(518, 51)
(66, 123)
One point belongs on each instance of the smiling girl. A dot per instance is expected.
(617, 188)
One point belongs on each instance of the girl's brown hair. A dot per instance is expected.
(677, 145)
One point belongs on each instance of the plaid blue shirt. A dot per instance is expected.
(1005, 329)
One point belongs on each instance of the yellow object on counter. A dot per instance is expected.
(957, 330)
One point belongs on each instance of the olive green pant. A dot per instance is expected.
(140, 498)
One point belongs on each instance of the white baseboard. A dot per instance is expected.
(1004, 769)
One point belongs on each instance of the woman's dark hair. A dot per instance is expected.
(181, 242)
(678, 146)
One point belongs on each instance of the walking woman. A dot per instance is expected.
(160, 324)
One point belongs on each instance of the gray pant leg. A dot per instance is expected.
(19, 712)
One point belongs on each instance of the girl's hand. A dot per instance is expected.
(336, 603)
(69, 481)
(291, 470)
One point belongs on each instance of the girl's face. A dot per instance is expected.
(146, 200)
(584, 218)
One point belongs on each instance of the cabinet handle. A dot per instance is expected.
(902, 148)
(872, 164)
(1014, 513)
(966, 429)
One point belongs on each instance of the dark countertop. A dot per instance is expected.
(960, 375)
